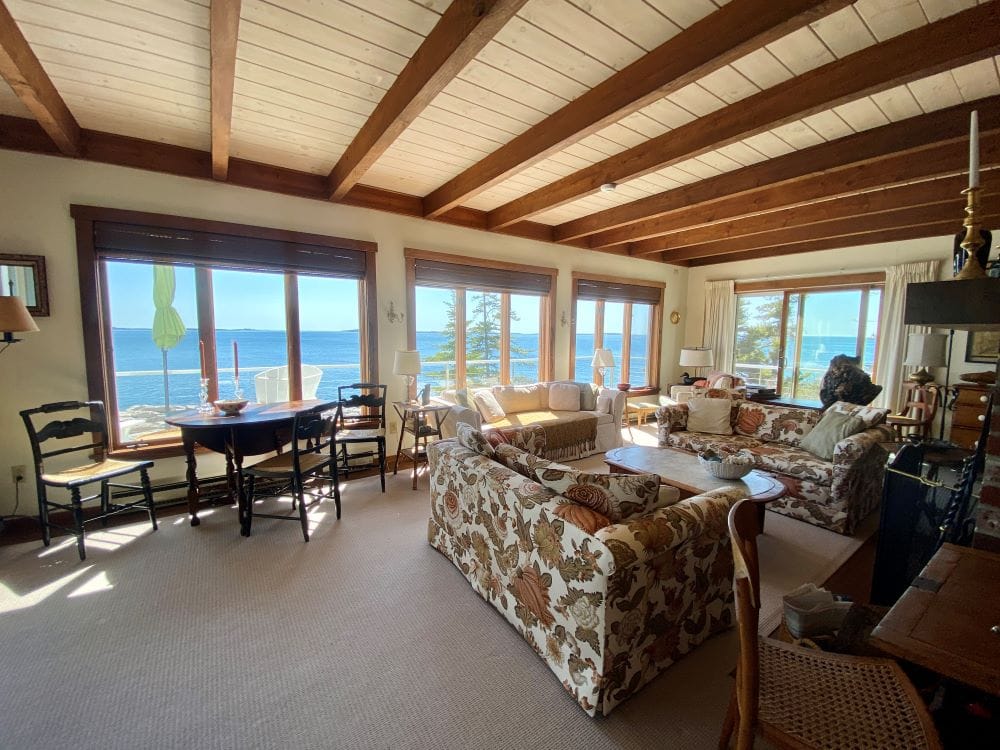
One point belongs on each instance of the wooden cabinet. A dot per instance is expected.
(966, 419)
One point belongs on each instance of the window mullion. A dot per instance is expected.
(859, 349)
(460, 338)
(626, 341)
(293, 337)
(206, 326)
(505, 338)
(599, 337)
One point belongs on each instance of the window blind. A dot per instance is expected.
(131, 242)
(618, 292)
(436, 273)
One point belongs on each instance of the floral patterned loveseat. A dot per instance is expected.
(608, 610)
(835, 494)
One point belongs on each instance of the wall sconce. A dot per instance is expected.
(392, 316)
(14, 318)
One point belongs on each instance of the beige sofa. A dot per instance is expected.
(526, 405)
(607, 610)
(835, 494)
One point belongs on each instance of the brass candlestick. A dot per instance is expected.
(973, 240)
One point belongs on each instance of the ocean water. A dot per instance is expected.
(140, 379)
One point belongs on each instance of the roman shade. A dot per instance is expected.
(138, 242)
(611, 291)
(438, 273)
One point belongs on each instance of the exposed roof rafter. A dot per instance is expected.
(32, 85)
(902, 59)
(462, 31)
(715, 41)
(225, 28)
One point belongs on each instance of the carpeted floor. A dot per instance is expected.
(363, 638)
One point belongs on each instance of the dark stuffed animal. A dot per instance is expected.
(846, 381)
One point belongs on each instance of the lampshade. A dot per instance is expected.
(603, 358)
(972, 305)
(926, 350)
(696, 356)
(14, 316)
(407, 362)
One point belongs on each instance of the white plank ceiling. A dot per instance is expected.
(310, 72)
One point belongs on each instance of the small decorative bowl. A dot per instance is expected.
(231, 408)
(726, 467)
(624, 386)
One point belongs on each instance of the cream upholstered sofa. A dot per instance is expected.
(835, 494)
(607, 610)
(526, 405)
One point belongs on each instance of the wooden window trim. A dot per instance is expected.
(546, 308)
(654, 343)
(812, 283)
(95, 304)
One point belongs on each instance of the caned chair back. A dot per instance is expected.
(743, 527)
(81, 423)
(362, 406)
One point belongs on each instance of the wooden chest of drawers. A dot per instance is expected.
(970, 405)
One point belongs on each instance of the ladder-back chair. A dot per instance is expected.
(361, 421)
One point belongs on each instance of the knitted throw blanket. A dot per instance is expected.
(565, 441)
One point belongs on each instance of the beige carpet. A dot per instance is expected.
(363, 638)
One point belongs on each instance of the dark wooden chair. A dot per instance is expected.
(917, 408)
(798, 697)
(313, 455)
(361, 421)
(88, 419)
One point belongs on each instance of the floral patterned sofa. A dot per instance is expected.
(608, 610)
(835, 494)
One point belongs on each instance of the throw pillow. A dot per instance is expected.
(588, 396)
(616, 496)
(870, 415)
(473, 439)
(710, 415)
(530, 438)
(487, 405)
(564, 397)
(581, 516)
(519, 398)
(462, 398)
(832, 428)
(526, 464)
(604, 403)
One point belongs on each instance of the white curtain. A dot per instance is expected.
(892, 331)
(720, 322)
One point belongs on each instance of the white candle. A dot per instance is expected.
(974, 150)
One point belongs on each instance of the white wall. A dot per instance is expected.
(35, 195)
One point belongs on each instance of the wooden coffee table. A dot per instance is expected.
(682, 470)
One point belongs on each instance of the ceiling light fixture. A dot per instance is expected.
(608, 187)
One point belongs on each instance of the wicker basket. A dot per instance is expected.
(726, 469)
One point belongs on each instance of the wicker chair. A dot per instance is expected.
(798, 697)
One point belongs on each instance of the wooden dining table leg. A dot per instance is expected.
(234, 467)
(193, 491)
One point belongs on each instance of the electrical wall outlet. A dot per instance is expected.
(393, 427)
(18, 473)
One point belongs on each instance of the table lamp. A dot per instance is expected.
(697, 357)
(407, 364)
(603, 360)
(925, 350)
(14, 318)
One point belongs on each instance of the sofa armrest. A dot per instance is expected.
(852, 448)
(673, 418)
(643, 538)
(463, 414)
(618, 399)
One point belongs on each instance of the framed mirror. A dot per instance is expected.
(24, 276)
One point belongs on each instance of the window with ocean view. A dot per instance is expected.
(786, 339)
(174, 298)
(620, 316)
(478, 323)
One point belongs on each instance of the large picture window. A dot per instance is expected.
(478, 323)
(621, 315)
(785, 338)
(160, 293)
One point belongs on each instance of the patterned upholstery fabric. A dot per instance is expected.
(530, 439)
(836, 495)
(474, 440)
(870, 415)
(607, 610)
(616, 496)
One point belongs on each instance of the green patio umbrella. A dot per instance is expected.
(168, 328)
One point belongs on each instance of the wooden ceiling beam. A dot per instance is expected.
(713, 42)
(462, 31)
(692, 243)
(21, 69)
(224, 35)
(938, 161)
(844, 228)
(838, 243)
(912, 133)
(915, 54)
